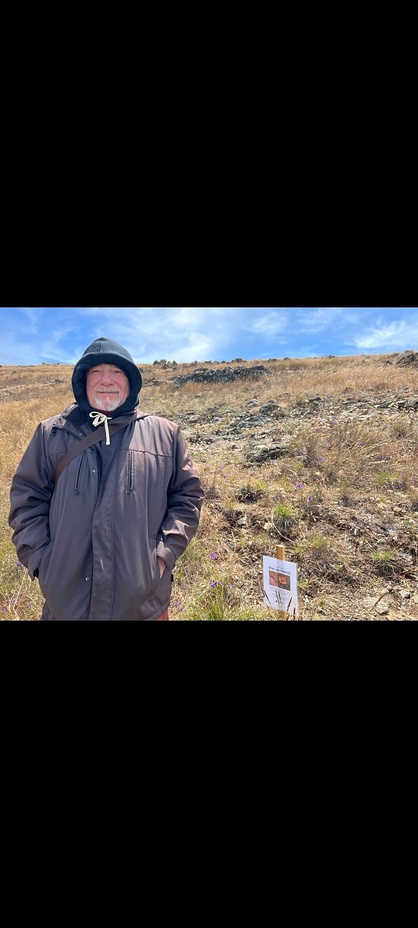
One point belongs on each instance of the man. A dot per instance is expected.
(103, 533)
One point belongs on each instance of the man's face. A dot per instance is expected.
(107, 387)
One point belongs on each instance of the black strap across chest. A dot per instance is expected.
(92, 439)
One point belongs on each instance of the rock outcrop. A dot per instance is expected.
(206, 375)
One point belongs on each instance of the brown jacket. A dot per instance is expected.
(96, 541)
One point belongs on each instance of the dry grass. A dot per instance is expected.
(343, 497)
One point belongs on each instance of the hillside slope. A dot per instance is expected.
(317, 454)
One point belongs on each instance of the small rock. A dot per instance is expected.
(263, 453)
(382, 609)
(268, 409)
(395, 616)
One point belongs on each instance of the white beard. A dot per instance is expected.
(106, 402)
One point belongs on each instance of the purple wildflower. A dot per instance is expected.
(214, 583)
(299, 486)
(214, 556)
(18, 564)
(310, 498)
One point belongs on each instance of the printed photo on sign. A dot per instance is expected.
(281, 581)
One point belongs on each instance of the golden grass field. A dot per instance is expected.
(336, 482)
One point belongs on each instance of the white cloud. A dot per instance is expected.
(319, 320)
(397, 335)
(34, 317)
(270, 325)
(184, 334)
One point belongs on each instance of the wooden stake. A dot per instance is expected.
(280, 555)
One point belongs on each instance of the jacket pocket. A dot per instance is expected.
(43, 567)
(155, 567)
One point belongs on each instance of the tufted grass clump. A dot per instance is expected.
(250, 493)
(383, 561)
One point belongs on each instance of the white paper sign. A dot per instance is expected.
(281, 585)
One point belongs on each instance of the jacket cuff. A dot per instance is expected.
(166, 555)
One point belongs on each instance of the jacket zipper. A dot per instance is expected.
(76, 490)
(130, 473)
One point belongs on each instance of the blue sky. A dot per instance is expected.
(30, 336)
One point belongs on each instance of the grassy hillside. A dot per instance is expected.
(317, 454)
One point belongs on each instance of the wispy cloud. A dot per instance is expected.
(34, 319)
(396, 335)
(271, 324)
(316, 320)
(178, 334)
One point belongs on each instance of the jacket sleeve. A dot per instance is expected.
(30, 497)
(184, 501)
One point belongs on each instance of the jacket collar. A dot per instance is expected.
(74, 417)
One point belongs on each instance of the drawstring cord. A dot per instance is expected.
(101, 419)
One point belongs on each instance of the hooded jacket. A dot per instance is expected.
(94, 538)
